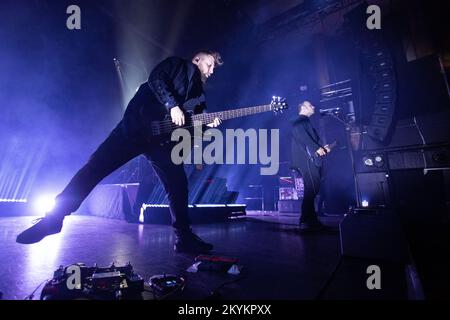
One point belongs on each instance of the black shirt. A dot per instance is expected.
(173, 82)
(305, 141)
(177, 82)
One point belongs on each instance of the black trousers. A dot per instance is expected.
(312, 180)
(115, 151)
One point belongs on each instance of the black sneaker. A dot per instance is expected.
(42, 227)
(189, 242)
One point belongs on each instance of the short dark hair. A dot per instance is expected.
(216, 55)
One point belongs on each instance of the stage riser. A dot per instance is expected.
(198, 215)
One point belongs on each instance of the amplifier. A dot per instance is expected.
(288, 194)
(289, 206)
(438, 157)
(411, 158)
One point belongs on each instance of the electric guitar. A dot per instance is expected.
(162, 129)
(318, 159)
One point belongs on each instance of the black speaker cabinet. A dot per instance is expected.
(374, 188)
(373, 234)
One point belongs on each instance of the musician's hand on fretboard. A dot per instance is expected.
(215, 123)
(321, 151)
(177, 116)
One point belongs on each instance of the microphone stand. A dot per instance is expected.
(348, 126)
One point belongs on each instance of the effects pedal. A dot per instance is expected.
(166, 284)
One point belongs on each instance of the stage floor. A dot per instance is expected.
(279, 263)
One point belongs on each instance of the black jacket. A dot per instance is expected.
(305, 141)
(173, 82)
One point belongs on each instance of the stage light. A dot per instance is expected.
(13, 200)
(44, 203)
(210, 205)
(365, 203)
(379, 161)
(368, 161)
(141, 215)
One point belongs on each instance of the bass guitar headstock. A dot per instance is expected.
(278, 104)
